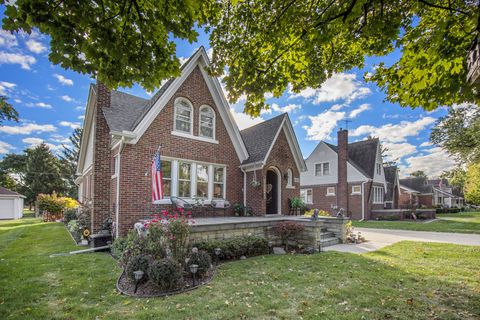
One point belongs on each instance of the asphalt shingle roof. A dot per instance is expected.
(362, 155)
(8, 192)
(419, 184)
(259, 138)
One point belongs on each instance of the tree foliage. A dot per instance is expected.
(272, 45)
(472, 184)
(419, 174)
(35, 171)
(266, 46)
(459, 133)
(7, 112)
(68, 160)
(119, 42)
(456, 177)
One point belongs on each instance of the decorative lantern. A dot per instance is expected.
(138, 274)
(194, 270)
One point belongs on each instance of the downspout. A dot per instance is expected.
(244, 189)
(363, 200)
(117, 196)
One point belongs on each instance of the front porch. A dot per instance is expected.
(317, 234)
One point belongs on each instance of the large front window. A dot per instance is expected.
(202, 181)
(184, 179)
(218, 182)
(167, 177)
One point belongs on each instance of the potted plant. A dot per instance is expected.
(297, 204)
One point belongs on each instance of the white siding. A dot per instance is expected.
(89, 151)
(11, 207)
(324, 153)
(379, 178)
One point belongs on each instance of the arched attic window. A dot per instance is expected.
(183, 116)
(207, 122)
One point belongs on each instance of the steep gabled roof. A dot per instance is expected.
(419, 184)
(260, 137)
(362, 155)
(125, 110)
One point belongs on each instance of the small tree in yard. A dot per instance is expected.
(472, 184)
(287, 231)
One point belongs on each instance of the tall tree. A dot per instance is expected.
(7, 112)
(419, 174)
(459, 133)
(12, 172)
(69, 160)
(42, 173)
(472, 184)
(267, 46)
(456, 177)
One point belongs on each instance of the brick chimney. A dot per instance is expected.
(342, 189)
(101, 161)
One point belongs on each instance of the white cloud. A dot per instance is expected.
(394, 132)
(63, 80)
(7, 39)
(73, 125)
(364, 107)
(337, 107)
(288, 108)
(323, 125)
(32, 140)
(43, 105)
(35, 46)
(17, 100)
(398, 150)
(426, 144)
(244, 121)
(341, 86)
(81, 117)
(5, 87)
(68, 99)
(28, 128)
(433, 163)
(5, 147)
(80, 108)
(24, 61)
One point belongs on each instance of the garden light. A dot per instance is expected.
(193, 270)
(138, 276)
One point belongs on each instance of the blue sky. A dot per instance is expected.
(51, 102)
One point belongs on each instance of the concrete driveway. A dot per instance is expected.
(379, 238)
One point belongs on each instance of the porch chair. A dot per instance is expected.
(179, 203)
(220, 204)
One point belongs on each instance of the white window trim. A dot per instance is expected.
(200, 122)
(356, 192)
(306, 195)
(321, 170)
(329, 194)
(175, 105)
(193, 180)
(290, 184)
(378, 168)
(189, 136)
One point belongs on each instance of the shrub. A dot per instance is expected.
(165, 273)
(155, 242)
(135, 246)
(118, 247)
(202, 259)
(83, 218)
(297, 203)
(287, 231)
(242, 211)
(139, 262)
(177, 234)
(51, 203)
(69, 215)
(234, 248)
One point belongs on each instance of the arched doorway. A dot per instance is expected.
(273, 191)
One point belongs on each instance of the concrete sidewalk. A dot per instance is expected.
(379, 238)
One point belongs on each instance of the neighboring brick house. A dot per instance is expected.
(349, 176)
(421, 192)
(204, 154)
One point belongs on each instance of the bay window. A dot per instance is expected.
(218, 182)
(202, 181)
(167, 177)
(184, 179)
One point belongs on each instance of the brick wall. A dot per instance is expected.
(425, 200)
(342, 188)
(101, 175)
(135, 192)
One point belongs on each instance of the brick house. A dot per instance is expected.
(421, 192)
(349, 176)
(204, 154)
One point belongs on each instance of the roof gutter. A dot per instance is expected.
(127, 135)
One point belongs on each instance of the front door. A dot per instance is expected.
(272, 192)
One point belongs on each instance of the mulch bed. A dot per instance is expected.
(127, 287)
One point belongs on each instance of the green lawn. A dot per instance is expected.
(468, 222)
(409, 280)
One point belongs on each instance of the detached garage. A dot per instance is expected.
(11, 204)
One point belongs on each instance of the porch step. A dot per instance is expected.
(329, 242)
(326, 235)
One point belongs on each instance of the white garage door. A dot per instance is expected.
(7, 208)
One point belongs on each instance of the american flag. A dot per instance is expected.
(157, 185)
